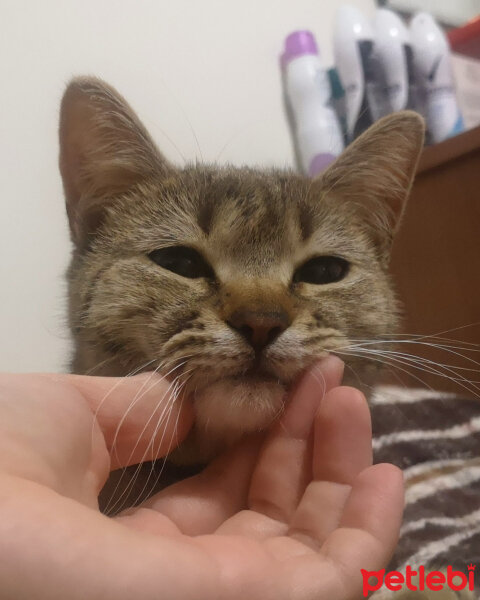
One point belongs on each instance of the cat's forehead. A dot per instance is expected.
(252, 203)
(257, 218)
(242, 210)
(236, 215)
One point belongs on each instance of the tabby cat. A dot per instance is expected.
(229, 281)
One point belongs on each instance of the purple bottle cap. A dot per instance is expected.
(297, 44)
(319, 163)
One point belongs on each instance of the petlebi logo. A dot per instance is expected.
(418, 580)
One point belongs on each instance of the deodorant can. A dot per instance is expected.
(353, 45)
(316, 127)
(393, 51)
(431, 60)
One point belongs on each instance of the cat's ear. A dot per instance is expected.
(375, 173)
(104, 151)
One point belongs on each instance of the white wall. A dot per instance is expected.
(192, 69)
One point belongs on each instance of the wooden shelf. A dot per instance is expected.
(451, 149)
(436, 260)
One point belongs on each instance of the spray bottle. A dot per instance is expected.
(317, 131)
(431, 59)
(393, 51)
(354, 59)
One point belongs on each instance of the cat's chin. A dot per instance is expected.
(225, 411)
(235, 406)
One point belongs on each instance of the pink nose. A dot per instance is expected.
(257, 327)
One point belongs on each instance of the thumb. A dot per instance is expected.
(141, 418)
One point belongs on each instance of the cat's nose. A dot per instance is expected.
(257, 327)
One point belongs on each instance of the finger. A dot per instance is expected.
(366, 539)
(284, 466)
(141, 418)
(343, 436)
(71, 551)
(47, 436)
(342, 449)
(369, 528)
(200, 504)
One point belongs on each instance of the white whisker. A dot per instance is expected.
(395, 359)
(167, 408)
(168, 411)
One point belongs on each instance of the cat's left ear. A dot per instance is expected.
(104, 151)
(375, 173)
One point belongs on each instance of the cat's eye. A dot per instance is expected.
(182, 260)
(321, 270)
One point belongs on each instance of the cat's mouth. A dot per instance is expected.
(229, 408)
(237, 400)
(257, 372)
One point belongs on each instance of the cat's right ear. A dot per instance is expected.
(104, 151)
(375, 173)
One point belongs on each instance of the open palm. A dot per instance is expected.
(294, 515)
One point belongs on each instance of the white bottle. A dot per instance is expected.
(431, 59)
(318, 135)
(353, 50)
(393, 51)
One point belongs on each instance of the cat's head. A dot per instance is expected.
(228, 280)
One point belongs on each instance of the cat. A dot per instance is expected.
(230, 281)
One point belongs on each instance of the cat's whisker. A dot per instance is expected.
(362, 384)
(459, 328)
(100, 364)
(397, 376)
(396, 352)
(278, 413)
(382, 362)
(426, 360)
(137, 398)
(394, 368)
(141, 392)
(362, 352)
(456, 376)
(392, 337)
(131, 484)
(418, 363)
(444, 347)
(435, 336)
(174, 145)
(162, 421)
(434, 368)
(170, 446)
(114, 387)
(139, 395)
(319, 377)
(110, 509)
(228, 142)
(192, 130)
(167, 409)
(179, 386)
(454, 370)
(359, 379)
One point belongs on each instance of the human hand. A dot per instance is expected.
(293, 516)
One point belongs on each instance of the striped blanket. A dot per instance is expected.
(435, 439)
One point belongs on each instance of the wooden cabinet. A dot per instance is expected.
(436, 264)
